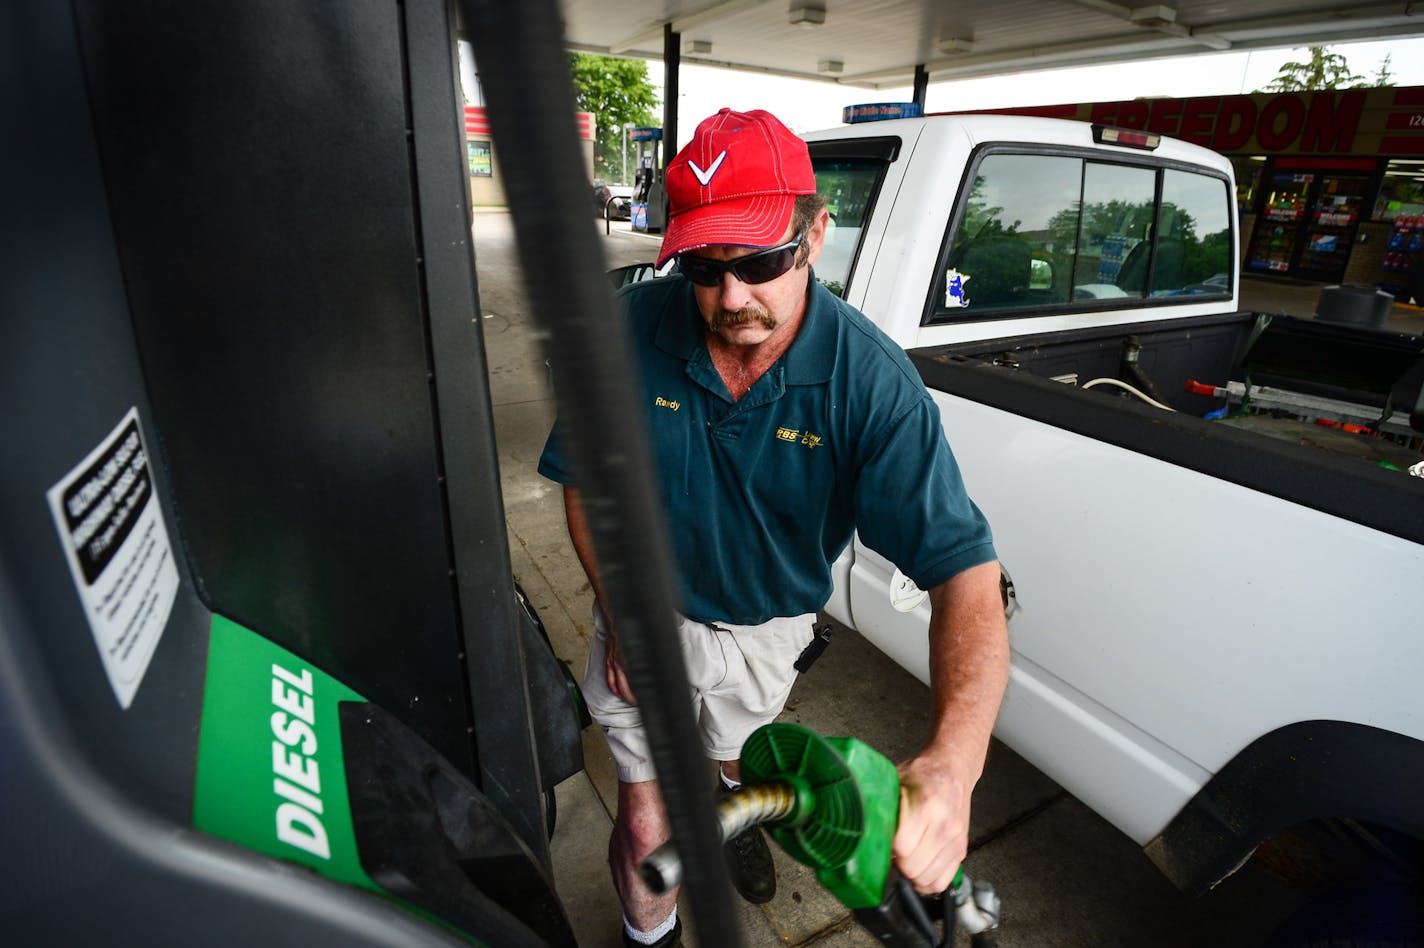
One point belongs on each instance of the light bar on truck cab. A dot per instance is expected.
(1127, 137)
(880, 112)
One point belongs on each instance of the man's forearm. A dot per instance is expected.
(969, 667)
(582, 538)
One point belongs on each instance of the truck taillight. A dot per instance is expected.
(1107, 135)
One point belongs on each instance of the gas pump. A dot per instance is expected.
(649, 199)
(265, 675)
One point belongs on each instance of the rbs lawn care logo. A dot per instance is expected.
(795, 436)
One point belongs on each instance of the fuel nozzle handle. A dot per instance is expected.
(833, 804)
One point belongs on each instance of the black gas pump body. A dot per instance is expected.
(649, 209)
(244, 229)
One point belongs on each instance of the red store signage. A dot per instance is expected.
(1374, 122)
(1234, 123)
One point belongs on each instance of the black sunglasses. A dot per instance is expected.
(757, 267)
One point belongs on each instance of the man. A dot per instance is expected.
(781, 421)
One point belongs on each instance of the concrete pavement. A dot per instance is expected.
(1066, 877)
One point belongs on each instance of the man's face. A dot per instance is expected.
(746, 314)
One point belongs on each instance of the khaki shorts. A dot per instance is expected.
(741, 676)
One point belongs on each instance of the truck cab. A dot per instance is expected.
(1052, 224)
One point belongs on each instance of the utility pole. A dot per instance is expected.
(626, 126)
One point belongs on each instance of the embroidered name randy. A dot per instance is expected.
(664, 403)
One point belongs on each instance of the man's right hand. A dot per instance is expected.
(613, 669)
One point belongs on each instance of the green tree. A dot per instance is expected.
(1324, 70)
(617, 92)
(1384, 77)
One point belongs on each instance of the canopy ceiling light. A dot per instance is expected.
(806, 16)
(954, 45)
(697, 46)
(830, 67)
(1153, 16)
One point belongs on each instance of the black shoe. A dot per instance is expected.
(672, 939)
(749, 863)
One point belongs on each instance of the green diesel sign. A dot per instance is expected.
(270, 771)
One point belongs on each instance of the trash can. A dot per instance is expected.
(1355, 305)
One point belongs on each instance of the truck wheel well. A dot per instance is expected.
(1306, 771)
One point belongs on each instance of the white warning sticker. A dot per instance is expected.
(113, 534)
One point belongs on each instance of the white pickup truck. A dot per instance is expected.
(1217, 622)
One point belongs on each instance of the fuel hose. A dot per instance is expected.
(529, 97)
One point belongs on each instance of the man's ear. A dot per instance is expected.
(815, 237)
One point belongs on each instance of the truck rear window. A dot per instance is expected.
(1039, 230)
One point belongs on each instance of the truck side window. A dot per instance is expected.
(1060, 230)
(1014, 246)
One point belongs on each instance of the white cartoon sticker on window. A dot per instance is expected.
(954, 297)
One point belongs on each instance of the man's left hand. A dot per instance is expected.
(933, 836)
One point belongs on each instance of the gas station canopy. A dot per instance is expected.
(880, 43)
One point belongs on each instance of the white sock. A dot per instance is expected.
(728, 782)
(649, 938)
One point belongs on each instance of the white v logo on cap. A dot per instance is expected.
(705, 176)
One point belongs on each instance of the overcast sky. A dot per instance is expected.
(807, 105)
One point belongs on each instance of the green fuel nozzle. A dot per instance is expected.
(833, 804)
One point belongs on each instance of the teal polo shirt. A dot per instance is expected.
(762, 494)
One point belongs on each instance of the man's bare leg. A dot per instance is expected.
(748, 857)
(641, 827)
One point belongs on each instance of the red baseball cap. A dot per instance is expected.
(735, 183)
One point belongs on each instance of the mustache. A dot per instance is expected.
(725, 318)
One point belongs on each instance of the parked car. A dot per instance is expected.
(621, 197)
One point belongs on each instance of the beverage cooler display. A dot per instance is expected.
(1330, 226)
(1307, 224)
(1274, 243)
(1406, 241)
(1403, 263)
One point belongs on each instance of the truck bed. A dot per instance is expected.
(1360, 477)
